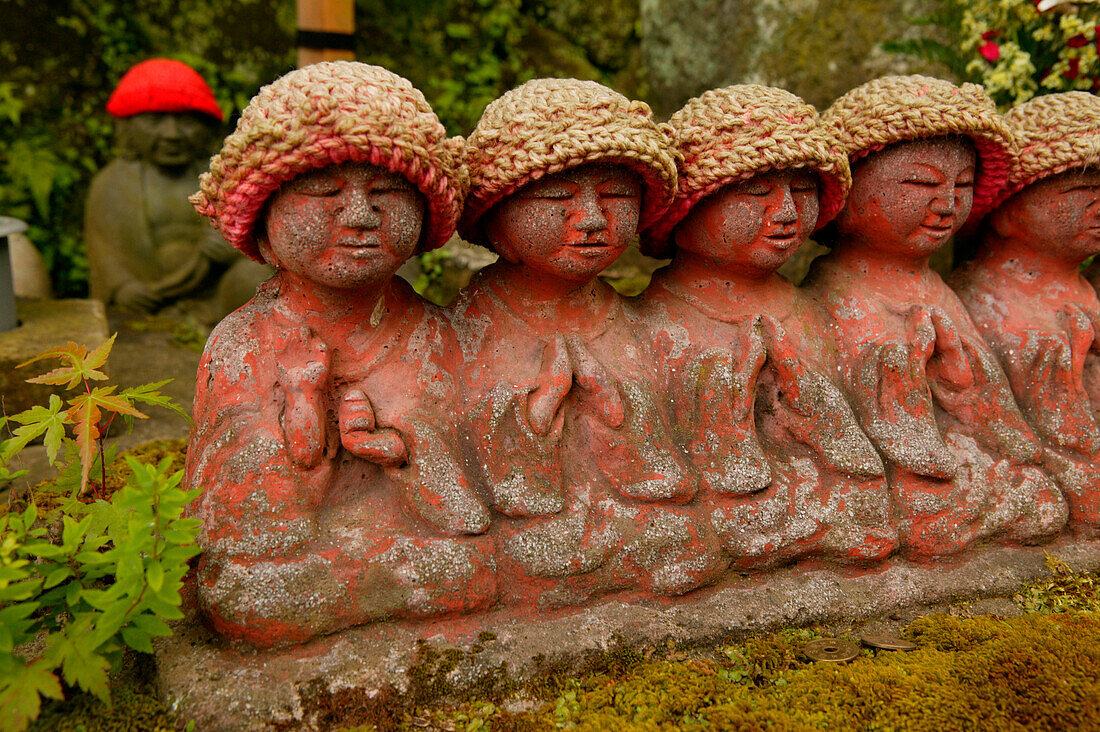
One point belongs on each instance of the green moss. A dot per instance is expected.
(987, 671)
(134, 705)
(1037, 671)
(185, 334)
(130, 710)
(1066, 590)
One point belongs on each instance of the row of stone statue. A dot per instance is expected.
(367, 456)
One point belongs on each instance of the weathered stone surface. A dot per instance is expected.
(817, 49)
(29, 275)
(224, 688)
(44, 324)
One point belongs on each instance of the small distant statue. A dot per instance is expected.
(147, 250)
(1025, 291)
(963, 464)
(786, 471)
(562, 408)
(333, 492)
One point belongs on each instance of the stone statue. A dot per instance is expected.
(366, 456)
(1026, 294)
(963, 464)
(786, 470)
(561, 406)
(146, 247)
(333, 492)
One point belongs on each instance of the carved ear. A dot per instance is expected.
(260, 235)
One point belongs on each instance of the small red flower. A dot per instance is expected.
(1074, 69)
(989, 35)
(1077, 41)
(990, 51)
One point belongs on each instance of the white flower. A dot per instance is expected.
(1046, 5)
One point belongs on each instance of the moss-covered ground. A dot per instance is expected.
(1036, 671)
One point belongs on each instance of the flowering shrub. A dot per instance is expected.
(1017, 49)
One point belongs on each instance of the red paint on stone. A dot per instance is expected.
(785, 469)
(1042, 319)
(962, 463)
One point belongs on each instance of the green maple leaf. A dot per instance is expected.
(85, 414)
(36, 421)
(81, 664)
(20, 692)
(149, 394)
(78, 365)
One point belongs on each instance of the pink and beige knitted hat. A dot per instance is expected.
(902, 108)
(1054, 133)
(326, 114)
(732, 134)
(548, 125)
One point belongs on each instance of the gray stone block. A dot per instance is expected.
(44, 324)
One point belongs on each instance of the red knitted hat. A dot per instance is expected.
(162, 85)
(324, 114)
(549, 125)
(732, 134)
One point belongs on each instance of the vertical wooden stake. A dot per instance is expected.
(326, 31)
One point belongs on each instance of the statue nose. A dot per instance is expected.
(359, 211)
(592, 216)
(169, 127)
(787, 213)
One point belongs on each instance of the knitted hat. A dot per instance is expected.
(1054, 133)
(162, 85)
(732, 134)
(326, 114)
(903, 108)
(548, 125)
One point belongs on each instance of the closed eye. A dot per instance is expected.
(619, 193)
(318, 191)
(553, 192)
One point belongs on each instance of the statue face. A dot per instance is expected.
(756, 224)
(343, 227)
(570, 225)
(168, 140)
(1059, 215)
(909, 199)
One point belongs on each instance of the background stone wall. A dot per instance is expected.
(817, 49)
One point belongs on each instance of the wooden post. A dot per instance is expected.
(326, 31)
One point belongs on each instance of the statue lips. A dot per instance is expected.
(359, 245)
(591, 246)
(784, 238)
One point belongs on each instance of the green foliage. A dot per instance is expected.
(1011, 47)
(461, 53)
(432, 270)
(61, 60)
(946, 19)
(86, 579)
(464, 53)
(1065, 591)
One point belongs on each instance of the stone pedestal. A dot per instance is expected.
(44, 324)
(223, 688)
